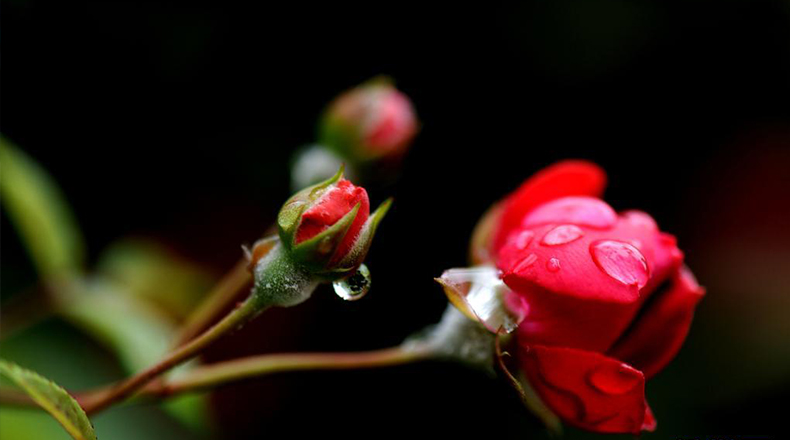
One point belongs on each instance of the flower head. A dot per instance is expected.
(369, 122)
(605, 298)
(328, 227)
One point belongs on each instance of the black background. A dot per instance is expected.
(178, 122)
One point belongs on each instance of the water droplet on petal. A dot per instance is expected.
(621, 261)
(355, 286)
(553, 265)
(525, 262)
(561, 235)
(523, 239)
(614, 379)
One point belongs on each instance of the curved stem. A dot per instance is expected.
(256, 366)
(279, 282)
(223, 373)
(235, 319)
(217, 300)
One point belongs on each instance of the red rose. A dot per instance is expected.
(328, 227)
(606, 298)
(334, 203)
(371, 121)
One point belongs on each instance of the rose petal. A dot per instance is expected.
(392, 123)
(661, 328)
(584, 285)
(587, 389)
(579, 211)
(650, 422)
(333, 205)
(566, 178)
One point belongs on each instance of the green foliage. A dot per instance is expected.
(128, 306)
(36, 206)
(52, 398)
(152, 272)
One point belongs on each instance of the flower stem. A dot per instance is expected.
(234, 320)
(217, 300)
(256, 366)
(223, 373)
(279, 283)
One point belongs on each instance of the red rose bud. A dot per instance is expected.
(605, 297)
(369, 122)
(328, 227)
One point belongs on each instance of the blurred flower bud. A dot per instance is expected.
(369, 122)
(328, 227)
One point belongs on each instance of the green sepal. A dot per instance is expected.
(317, 252)
(359, 250)
(290, 215)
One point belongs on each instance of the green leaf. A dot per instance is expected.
(149, 270)
(58, 350)
(136, 331)
(52, 398)
(37, 208)
(130, 328)
(22, 423)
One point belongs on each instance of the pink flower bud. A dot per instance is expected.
(372, 121)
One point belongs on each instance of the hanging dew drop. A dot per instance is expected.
(355, 286)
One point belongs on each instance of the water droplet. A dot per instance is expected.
(480, 294)
(621, 261)
(526, 262)
(613, 379)
(562, 234)
(355, 286)
(584, 211)
(325, 246)
(523, 239)
(553, 265)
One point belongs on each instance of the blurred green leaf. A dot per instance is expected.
(54, 399)
(148, 269)
(36, 206)
(66, 354)
(29, 424)
(122, 307)
(136, 331)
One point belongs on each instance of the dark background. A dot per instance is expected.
(178, 123)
